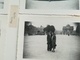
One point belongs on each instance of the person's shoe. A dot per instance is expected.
(53, 50)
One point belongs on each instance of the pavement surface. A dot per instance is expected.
(68, 48)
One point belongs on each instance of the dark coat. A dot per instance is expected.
(53, 39)
(49, 43)
(48, 39)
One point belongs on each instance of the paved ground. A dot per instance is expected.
(68, 48)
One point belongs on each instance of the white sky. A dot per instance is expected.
(57, 22)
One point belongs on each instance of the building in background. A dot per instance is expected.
(68, 30)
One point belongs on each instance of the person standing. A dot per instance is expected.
(49, 42)
(53, 39)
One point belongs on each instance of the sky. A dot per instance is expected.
(58, 23)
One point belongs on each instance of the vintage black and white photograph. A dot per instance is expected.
(52, 39)
(52, 4)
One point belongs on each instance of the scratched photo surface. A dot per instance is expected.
(67, 33)
(1, 4)
(52, 4)
(13, 16)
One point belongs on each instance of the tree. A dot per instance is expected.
(29, 28)
(78, 28)
(49, 28)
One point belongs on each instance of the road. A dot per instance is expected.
(68, 48)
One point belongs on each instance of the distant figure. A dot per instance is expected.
(49, 42)
(68, 32)
(53, 39)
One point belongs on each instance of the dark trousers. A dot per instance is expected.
(49, 47)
